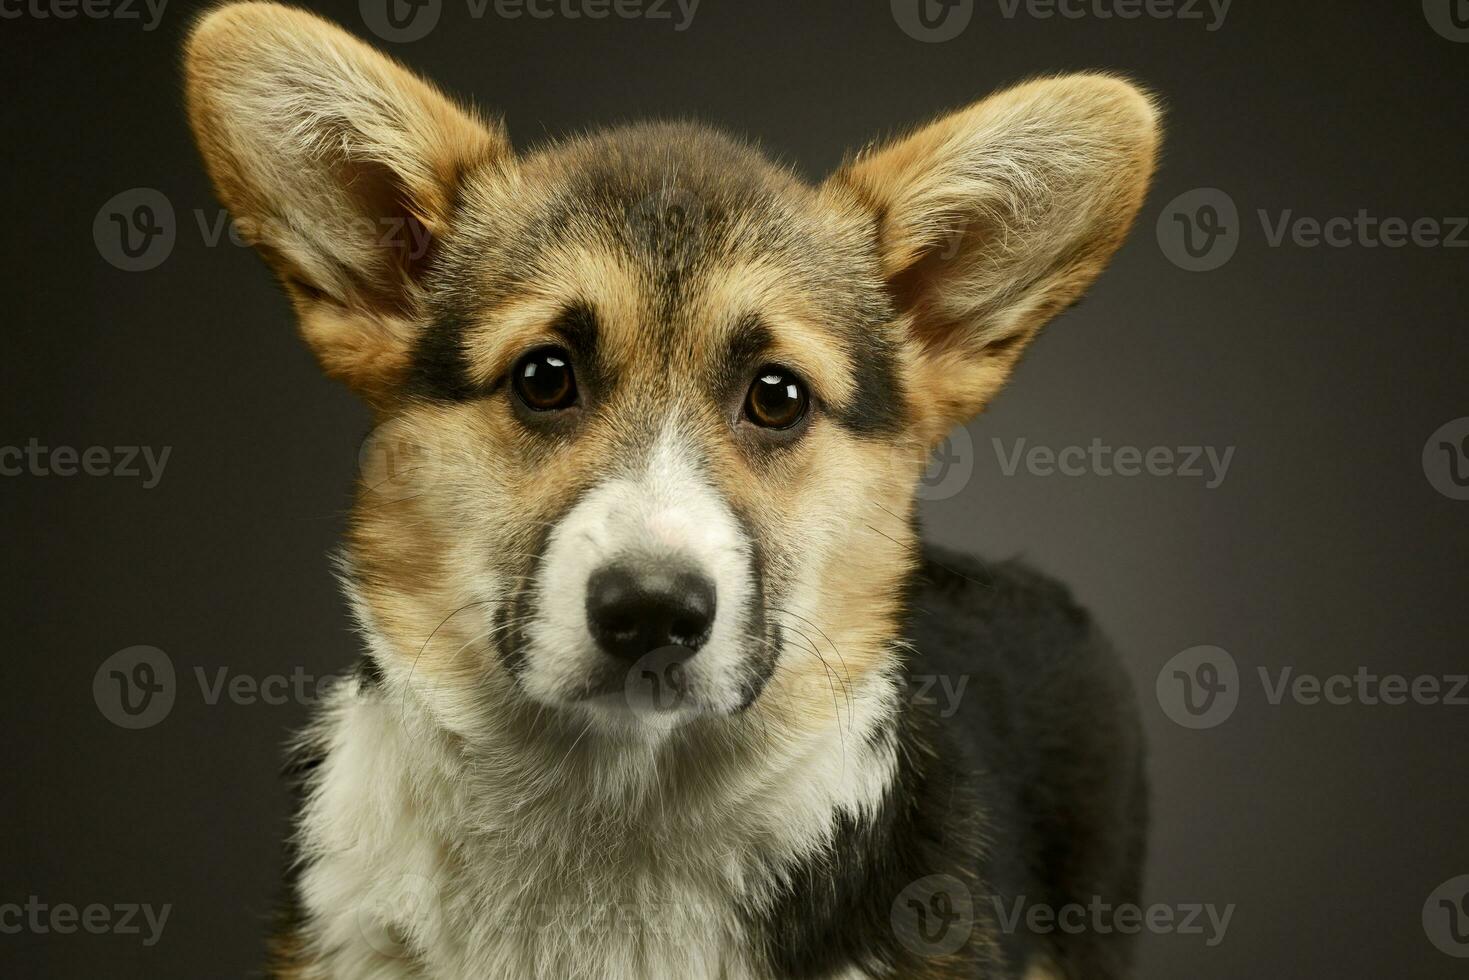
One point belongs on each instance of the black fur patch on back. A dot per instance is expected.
(844, 905)
(1028, 788)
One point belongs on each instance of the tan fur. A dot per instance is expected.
(949, 249)
(323, 149)
(802, 341)
(993, 219)
(288, 958)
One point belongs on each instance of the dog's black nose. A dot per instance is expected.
(635, 609)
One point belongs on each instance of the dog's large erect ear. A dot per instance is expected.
(340, 166)
(995, 218)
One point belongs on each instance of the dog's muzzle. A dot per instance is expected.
(635, 608)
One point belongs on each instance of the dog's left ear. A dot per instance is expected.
(341, 167)
(995, 218)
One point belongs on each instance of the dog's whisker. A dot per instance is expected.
(916, 549)
(847, 675)
(831, 681)
(445, 620)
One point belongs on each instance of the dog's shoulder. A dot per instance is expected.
(1036, 663)
(1029, 698)
(967, 610)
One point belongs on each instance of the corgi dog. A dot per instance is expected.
(634, 555)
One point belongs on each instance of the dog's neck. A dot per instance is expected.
(536, 813)
(825, 717)
(541, 774)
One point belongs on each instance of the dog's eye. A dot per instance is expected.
(543, 380)
(777, 398)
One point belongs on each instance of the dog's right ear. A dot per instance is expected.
(340, 166)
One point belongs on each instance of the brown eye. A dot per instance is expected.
(543, 380)
(777, 398)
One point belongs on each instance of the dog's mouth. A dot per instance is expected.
(667, 685)
(646, 599)
(660, 682)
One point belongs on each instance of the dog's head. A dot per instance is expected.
(651, 409)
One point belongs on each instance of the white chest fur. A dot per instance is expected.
(426, 857)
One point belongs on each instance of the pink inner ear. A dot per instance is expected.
(919, 286)
(417, 246)
(400, 238)
(911, 290)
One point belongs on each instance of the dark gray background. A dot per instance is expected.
(1325, 549)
